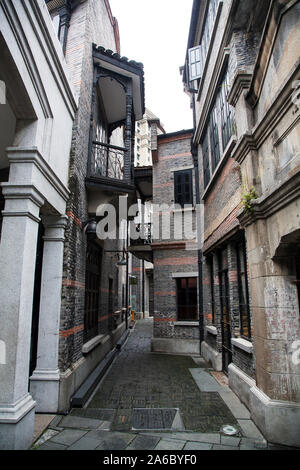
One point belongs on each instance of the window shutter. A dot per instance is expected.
(195, 63)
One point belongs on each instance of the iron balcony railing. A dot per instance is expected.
(107, 161)
(145, 234)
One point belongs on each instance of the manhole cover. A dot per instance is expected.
(156, 419)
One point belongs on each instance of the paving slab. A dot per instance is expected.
(48, 434)
(68, 436)
(85, 443)
(102, 435)
(237, 408)
(81, 423)
(205, 381)
(170, 444)
(112, 442)
(250, 430)
(252, 444)
(55, 422)
(197, 446)
(51, 446)
(230, 441)
(143, 443)
(221, 447)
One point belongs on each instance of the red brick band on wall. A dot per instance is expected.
(70, 283)
(73, 216)
(176, 261)
(71, 331)
(77, 329)
(164, 320)
(164, 294)
(177, 155)
(230, 223)
(163, 185)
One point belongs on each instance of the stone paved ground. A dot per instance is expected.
(150, 401)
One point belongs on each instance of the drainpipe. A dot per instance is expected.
(143, 287)
(127, 286)
(194, 151)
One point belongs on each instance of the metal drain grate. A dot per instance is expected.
(156, 419)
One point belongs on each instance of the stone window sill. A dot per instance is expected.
(242, 344)
(186, 323)
(212, 330)
(92, 344)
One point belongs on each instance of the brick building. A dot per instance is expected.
(36, 118)
(67, 156)
(176, 324)
(110, 91)
(241, 69)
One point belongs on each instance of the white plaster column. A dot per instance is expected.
(44, 382)
(17, 267)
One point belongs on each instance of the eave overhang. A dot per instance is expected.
(143, 179)
(129, 69)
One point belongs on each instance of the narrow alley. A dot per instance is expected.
(151, 401)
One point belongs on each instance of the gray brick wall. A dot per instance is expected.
(90, 23)
(173, 154)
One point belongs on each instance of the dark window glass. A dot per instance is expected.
(227, 112)
(245, 320)
(225, 310)
(206, 168)
(187, 299)
(212, 293)
(214, 137)
(183, 186)
(92, 286)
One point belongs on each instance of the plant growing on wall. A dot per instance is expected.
(248, 195)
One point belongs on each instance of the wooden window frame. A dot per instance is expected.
(239, 245)
(183, 200)
(187, 298)
(206, 159)
(92, 290)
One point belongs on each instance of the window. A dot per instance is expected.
(183, 186)
(214, 137)
(245, 321)
(92, 286)
(221, 122)
(198, 54)
(225, 310)
(187, 299)
(206, 168)
(226, 111)
(212, 293)
(195, 63)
